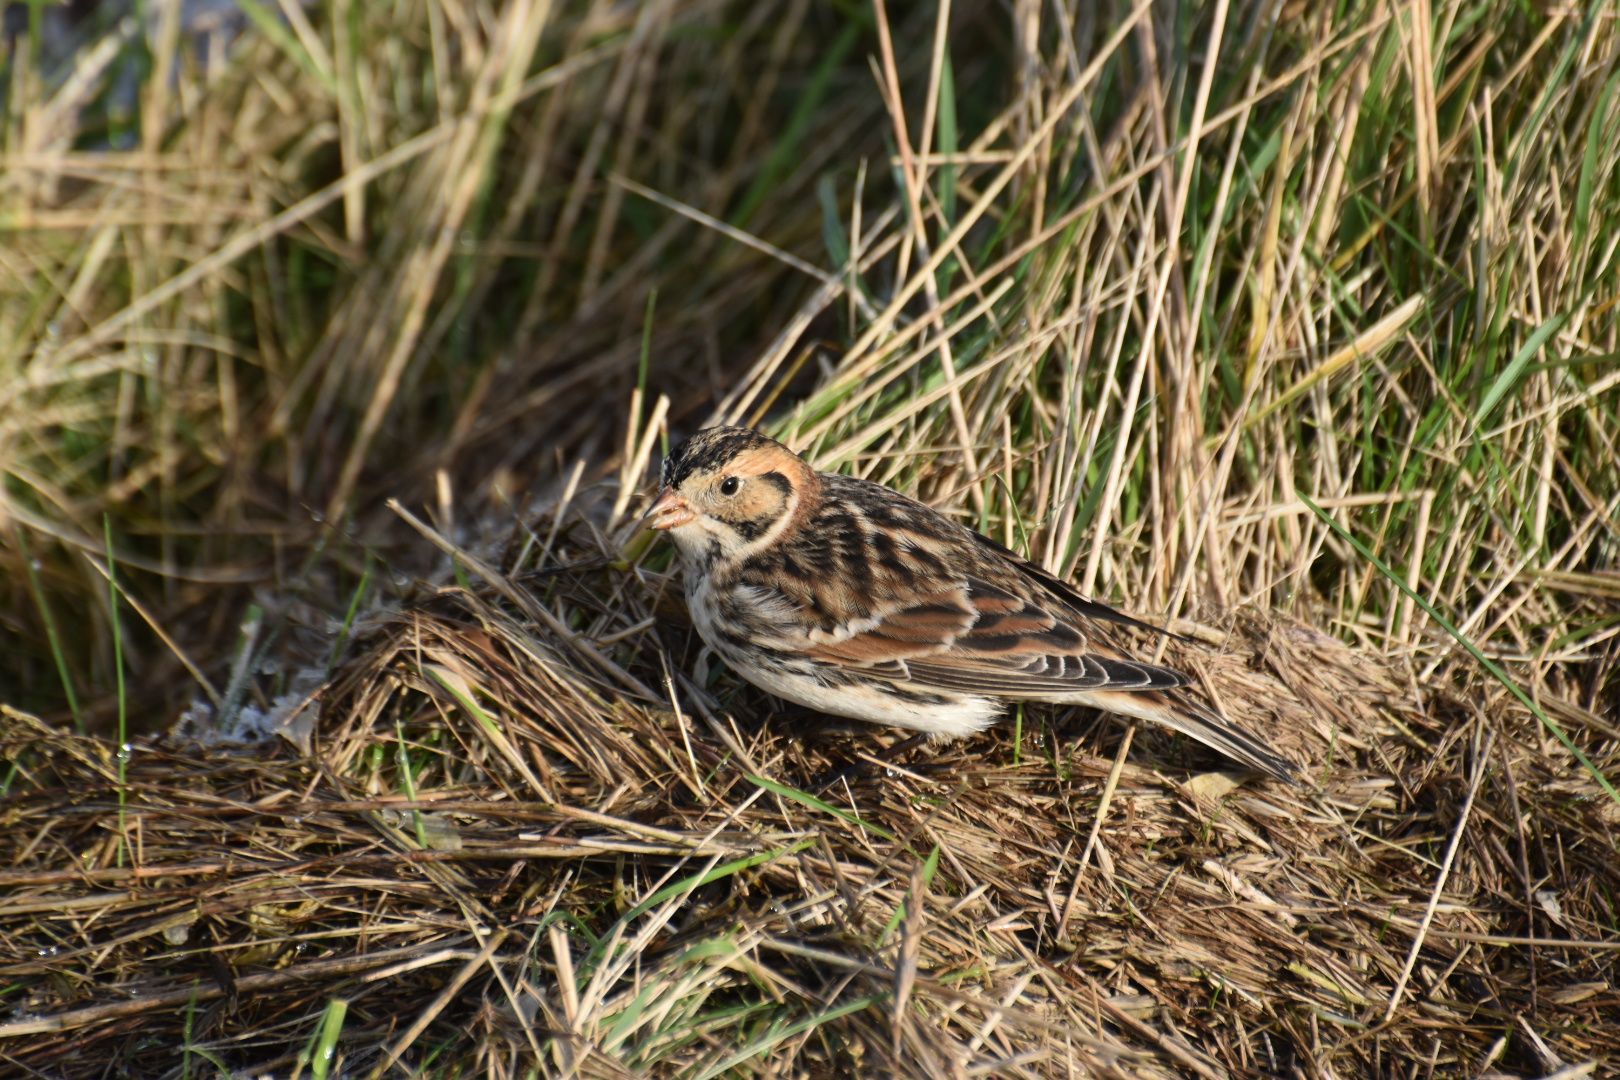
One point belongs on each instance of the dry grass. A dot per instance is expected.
(490, 864)
(1295, 327)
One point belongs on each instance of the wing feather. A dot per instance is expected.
(983, 638)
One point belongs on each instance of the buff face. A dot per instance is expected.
(724, 493)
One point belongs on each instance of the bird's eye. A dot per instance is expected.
(729, 485)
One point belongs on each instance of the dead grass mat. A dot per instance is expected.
(501, 856)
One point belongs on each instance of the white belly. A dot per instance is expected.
(873, 700)
(951, 716)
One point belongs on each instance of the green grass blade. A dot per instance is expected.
(774, 1038)
(1473, 650)
(321, 1051)
(118, 673)
(930, 868)
(341, 640)
(52, 637)
(724, 870)
(804, 798)
(1516, 368)
(274, 28)
(788, 149)
(1598, 143)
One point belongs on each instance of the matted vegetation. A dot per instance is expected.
(1292, 327)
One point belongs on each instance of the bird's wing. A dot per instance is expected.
(987, 639)
(1067, 595)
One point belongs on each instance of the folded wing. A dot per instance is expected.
(986, 639)
(982, 638)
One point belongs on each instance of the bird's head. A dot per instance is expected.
(730, 491)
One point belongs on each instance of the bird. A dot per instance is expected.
(845, 596)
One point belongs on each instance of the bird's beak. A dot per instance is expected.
(670, 511)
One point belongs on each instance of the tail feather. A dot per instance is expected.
(1176, 712)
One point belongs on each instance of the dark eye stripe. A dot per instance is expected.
(779, 482)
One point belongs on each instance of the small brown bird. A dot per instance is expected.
(847, 597)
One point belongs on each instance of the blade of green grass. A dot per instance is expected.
(930, 868)
(1516, 368)
(788, 149)
(118, 673)
(1473, 650)
(804, 798)
(341, 639)
(724, 870)
(761, 1045)
(1597, 144)
(274, 28)
(321, 1050)
(52, 637)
